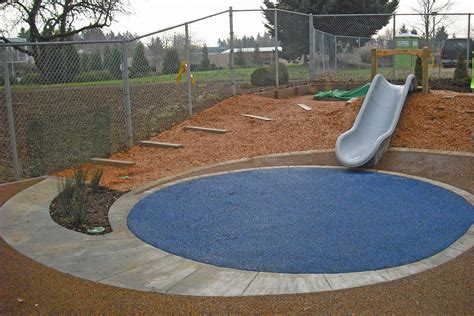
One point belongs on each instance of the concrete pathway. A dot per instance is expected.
(120, 259)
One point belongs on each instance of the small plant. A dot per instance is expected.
(80, 178)
(418, 69)
(95, 180)
(461, 77)
(72, 196)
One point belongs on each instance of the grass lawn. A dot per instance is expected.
(296, 72)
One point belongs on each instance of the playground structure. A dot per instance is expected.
(369, 138)
(424, 54)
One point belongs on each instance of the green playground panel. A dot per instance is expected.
(343, 94)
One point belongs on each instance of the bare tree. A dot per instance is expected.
(58, 21)
(429, 9)
(52, 20)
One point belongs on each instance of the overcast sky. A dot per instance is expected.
(148, 16)
(152, 15)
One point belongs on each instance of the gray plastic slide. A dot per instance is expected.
(368, 139)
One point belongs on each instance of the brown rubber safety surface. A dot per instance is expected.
(448, 289)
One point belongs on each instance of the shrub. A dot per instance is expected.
(260, 77)
(265, 76)
(283, 76)
(91, 76)
(418, 69)
(461, 78)
(31, 78)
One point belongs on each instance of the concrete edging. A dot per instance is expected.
(120, 259)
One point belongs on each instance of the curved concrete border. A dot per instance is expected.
(120, 259)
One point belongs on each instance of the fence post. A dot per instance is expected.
(394, 33)
(311, 48)
(11, 122)
(469, 48)
(188, 71)
(360, 56)
(323, 52)
(126, 95)
(231, 54)
(335, 52)
(277, 75)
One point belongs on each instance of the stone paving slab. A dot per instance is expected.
(214, 281)
(279, 283)
(55, 253)
(339, 281)
(105, 266)
(158, 275)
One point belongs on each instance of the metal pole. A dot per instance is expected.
(188, 71)
(11, 122)
(277, 75)
(311, 50)
(126, 96)
(394, 33)
(323, 52)
(231, 54)
(469, 48)
(335, 53)
(360, 57)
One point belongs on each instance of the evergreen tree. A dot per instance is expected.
(239, 58)
(205, 58)
(461, 77)
(293, 32)
(418, 69)
(441, 34)
(140, 64)
(256, 58)
(95, 61)
(171, 62)
(403, 29)
(84, 62)
(112, 61)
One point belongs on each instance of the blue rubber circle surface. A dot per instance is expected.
(302, 220)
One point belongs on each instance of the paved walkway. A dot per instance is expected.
(120, 259)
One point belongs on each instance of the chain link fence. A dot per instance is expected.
(65, 102)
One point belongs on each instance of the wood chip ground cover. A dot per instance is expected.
(292, 129)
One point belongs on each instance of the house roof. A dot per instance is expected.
(252, 49)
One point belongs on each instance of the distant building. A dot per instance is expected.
(267, 55)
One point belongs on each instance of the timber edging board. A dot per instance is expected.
(206, 129)
(146, 143)
(112, 162)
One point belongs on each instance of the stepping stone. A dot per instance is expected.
(206, 129)
(146, 143)
(305, 107)
(448, 97)
(257, 117)
(112, 162)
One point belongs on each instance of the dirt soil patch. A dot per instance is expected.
(98, 205)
